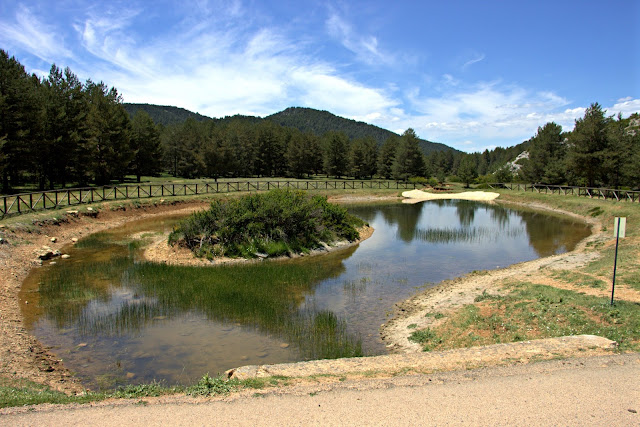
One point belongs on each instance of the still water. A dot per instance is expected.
(115, 319)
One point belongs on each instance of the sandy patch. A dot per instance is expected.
(161, 252)
(416, 196)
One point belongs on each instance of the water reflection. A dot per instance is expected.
(105, 311)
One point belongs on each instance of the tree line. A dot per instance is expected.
(58, 131)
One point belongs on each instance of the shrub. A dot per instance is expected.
(275, 223)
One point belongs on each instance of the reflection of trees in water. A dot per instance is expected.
(466, 212)
(266, 296)
(550, 235)
(406, 217)
(547, 234)
(499, 215)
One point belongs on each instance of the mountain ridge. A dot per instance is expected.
(302, 118)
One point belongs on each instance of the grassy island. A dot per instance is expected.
(280, 222)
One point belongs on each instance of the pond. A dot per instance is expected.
(115, 319)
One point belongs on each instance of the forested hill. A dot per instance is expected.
(304, 119)
(319, 122)
(164, 114)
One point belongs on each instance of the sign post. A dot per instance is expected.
(619, 228)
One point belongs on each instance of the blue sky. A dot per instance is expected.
(470, 74)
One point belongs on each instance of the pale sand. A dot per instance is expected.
(416, 196)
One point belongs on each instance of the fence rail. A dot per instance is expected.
(17, 204)
(591, 192)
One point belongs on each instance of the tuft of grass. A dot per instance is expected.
(152, 389)
(210, 386)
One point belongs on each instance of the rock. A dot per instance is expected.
(3, 241)
(54, 239)
(82, 344)
(284, 345)
(57, 252)
(261, 255)
(52, 263)
(89, 209)
(262, 354)
(130, 375)
(65, 256)
(45, 253)
(74, 239)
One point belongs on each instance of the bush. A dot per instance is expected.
(274, 223)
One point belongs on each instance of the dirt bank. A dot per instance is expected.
(21, 354)
(160, 251)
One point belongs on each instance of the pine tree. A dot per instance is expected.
(387, 156)
(145, 142)
(588, 146)
(336, 154)
(409, 160)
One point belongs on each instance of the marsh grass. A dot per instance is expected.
(264, 296)
(533, 311)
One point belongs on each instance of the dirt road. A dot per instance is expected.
(588, 391)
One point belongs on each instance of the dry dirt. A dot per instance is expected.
(21, 355)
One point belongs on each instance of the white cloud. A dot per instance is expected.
(474, 60)
(626, 106)
(34, 35)
(365, 47)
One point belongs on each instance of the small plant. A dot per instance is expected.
(208, 386)
(486, 296)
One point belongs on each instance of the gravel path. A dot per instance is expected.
(590, 391)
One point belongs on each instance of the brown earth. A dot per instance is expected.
(21, 354)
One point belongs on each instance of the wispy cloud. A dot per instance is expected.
(475, 60)
(220, 58)
(31, 33)
(364, 47)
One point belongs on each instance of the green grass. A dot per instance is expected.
(579, 279)
(18, 392)
(532, 311)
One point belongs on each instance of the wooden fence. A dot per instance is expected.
(17, 204)
(591, 192)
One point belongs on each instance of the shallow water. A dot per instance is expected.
(116, 320)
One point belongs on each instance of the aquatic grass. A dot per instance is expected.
(467, 234)
(264, 296)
